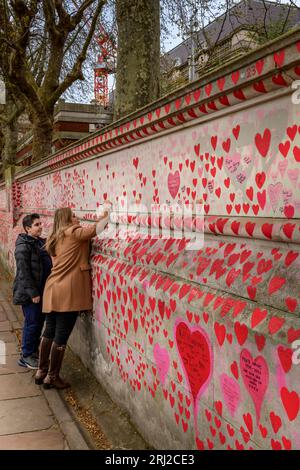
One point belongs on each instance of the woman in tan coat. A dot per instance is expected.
(67, 291)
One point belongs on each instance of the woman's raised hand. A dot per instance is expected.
(102, 222)
(103, 216)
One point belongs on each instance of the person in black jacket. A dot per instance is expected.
(33, 266)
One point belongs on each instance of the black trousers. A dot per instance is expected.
(59, 326)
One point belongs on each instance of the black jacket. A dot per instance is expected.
(30, 273)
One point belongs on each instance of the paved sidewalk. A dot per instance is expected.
(81, 418)
(26, 420)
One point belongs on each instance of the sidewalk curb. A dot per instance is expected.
(69, 427)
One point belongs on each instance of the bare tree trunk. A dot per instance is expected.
(42, 131)
(138, 69)
(9, 130)
(10, 143)
(2, 143)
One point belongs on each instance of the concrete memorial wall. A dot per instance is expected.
(195, 333)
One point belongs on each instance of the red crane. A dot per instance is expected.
(102, 67)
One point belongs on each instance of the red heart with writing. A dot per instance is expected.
(196, 356)
(254, 367)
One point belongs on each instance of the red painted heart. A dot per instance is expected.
(196, 357)
(291, 402)
(255, 374)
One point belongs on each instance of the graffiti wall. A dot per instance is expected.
(198, 345)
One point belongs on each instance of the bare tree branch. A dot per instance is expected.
(76, 72)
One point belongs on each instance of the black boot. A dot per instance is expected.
(53, 380)
(45, 347)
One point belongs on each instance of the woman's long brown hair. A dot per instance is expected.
(62, 219)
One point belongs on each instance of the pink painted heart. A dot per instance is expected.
(293, 175)
(274, 192)
(196, 357)
(174, 183)
(255, 374)
(231, 393)
(178, 222)
(232, 162)
(282, 166)
(162, 360)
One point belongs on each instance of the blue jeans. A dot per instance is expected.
(33, 325)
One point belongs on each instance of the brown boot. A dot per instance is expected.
(42, 371)
(53, 380)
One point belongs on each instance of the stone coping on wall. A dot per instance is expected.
(261, 271)
(263, 228)
(248, 227)
(272, 67)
